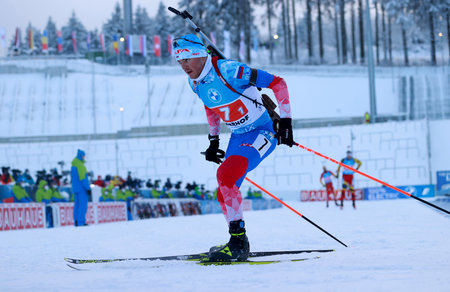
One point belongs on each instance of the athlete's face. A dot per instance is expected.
(193, 67)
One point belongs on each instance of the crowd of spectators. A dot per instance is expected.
(47, 187)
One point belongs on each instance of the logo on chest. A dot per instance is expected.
(214, 95)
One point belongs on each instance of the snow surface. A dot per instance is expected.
(398, 245)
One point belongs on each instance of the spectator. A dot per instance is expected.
(20, 194)
(107, 180)
(26, 177)
(80, 188)
(367, 118)
(99, 182)
(117, 181)
(107, 195)
(43, 194)
(56, 194)
(16, 173)
(120, 194)
(6, 177)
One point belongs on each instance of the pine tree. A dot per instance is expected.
(162, 28)
(51, 34)
(74, 25)
(95, 41)
(143, 24)
(37, 42)
(114, 25)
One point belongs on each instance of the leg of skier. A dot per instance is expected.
(243, 154)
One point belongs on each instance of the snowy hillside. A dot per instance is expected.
(57, 97)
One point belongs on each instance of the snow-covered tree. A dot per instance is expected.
(75, 26)
(114, 25)
(162, 27)
(143, 24)
(51, 34)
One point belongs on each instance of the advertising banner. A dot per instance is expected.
(320, 195)
(17, 216)
(443, 183)
(103, 212)
(385, 193)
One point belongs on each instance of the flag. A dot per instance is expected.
(115, 44)
(129, 45)
(102, 41)
(88, 41)
(74, 41)
(143, 45)
(30, 39)
(226, 41)
(242, 47)
(213, 37)
(2, 37)
(59, 41)
(169, 44)
(157, 45)
(44, 40)
(17, 38)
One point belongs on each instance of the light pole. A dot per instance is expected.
(373, 103)
(121, 115)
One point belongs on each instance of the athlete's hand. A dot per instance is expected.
(284, 132)
(213, 153)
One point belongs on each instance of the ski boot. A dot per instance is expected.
(237, 248)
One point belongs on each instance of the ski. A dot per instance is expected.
(192, 257)
(224, 263)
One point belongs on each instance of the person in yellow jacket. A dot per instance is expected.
(107, 194)
(43, 193)
(20, 194)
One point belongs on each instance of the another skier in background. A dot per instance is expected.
(347, 176)
(326, 176)
(229, 92)
(80, 187)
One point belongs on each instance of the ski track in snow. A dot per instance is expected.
(398, 245)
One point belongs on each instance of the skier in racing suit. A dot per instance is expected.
(229, 92)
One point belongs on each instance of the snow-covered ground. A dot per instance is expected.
(398, 245)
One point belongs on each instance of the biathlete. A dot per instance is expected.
(228, 90)
(326, 176)
(347, 176)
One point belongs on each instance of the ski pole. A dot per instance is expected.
(293, 210)
(372, 178)
(186, 16)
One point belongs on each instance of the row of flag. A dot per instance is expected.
(133, 43)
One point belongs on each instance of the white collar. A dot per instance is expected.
(206, 69)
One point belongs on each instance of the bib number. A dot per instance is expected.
(262, 144)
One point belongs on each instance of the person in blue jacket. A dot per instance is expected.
(80, 188)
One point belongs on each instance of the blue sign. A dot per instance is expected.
(385, 193)
(443, 182)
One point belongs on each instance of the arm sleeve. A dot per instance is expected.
(279, 88)
(213, 121)
(358, 162)
(85, 183)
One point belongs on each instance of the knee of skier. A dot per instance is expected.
(233, 168)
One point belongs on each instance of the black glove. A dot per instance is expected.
(213, 153)
(284, 132)
(89, 192)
